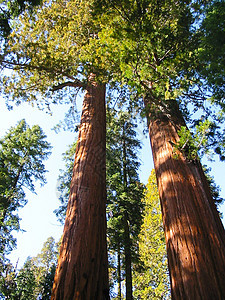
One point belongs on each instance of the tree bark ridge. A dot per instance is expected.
(82, 271)
(194, 233)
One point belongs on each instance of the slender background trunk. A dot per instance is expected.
(119, 272)
(127, 241)
(127, 254)
(82, 271)
(194, 233)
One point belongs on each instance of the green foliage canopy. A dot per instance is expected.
(45, 52)
(212, 48)
(160, 49)
(165, 50)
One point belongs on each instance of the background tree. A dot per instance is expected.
(7, 279)
(64, 181)
(25, 282)
(34, 280)
(45, 266)
(124, 192)
(151, 277)
(22, 152)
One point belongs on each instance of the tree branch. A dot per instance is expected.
(28, 66)
(76, 83)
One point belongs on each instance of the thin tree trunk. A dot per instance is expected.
(127, 241)
(82, 271)
(127, 254)
(119, 272)
(194, 233)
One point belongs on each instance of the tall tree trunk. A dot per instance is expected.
(194, 233)
(127, 254)
(119, 272)
(82, 271)
(127, 241)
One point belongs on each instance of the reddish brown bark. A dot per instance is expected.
(194, 233)
(82, 271)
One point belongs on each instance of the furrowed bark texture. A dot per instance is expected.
(82, 271)
(194, 233)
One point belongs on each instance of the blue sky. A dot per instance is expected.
(38, 220)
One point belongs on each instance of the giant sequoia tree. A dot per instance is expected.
(124, 192)
(82, 266)
(47, 61)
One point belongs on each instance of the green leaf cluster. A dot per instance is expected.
(214, 188)
(147, 42)
(192, 144)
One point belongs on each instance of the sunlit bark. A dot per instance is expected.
(82, 271)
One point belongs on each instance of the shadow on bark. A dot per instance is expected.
(195, 236)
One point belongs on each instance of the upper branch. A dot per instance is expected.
(76, 83)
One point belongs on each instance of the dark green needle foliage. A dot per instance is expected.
(124, 193)
(64, 181)
(10, 10)
(212, 49)
(35, 279)
(22, 152)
